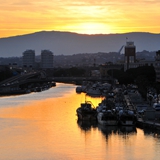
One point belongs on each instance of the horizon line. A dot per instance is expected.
(76, 33)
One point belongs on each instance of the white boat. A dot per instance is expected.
(107, 117)
(106, 114)
(78, 89)
(127, 117)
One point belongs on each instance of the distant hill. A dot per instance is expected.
(67, 43)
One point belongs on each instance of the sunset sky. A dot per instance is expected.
(19, 17)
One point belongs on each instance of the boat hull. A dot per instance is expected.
(86, 117)
(127, 122)
(86, 112)
(127, 118)
(107, 120)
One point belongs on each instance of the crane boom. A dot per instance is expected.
(120, 49)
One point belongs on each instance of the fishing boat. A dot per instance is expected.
(86, 112)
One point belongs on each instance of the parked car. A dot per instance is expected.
(142, 108)
(156, 106)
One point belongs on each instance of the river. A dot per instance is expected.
(43, 126)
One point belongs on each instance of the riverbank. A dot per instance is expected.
(12, 90)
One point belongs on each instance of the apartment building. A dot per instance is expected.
(28, 59)
(46, 59)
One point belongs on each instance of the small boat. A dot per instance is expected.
(127, 117)
(107, 117)
(106, 114)
(94, 92)
(78, 89)
(83, 87)
(86, 112)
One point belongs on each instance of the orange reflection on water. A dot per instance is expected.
(44, 129)
(48, 129)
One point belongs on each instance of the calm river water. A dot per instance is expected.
(43, 126)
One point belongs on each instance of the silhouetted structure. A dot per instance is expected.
(130, 54)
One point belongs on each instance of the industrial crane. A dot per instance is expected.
(119, 52)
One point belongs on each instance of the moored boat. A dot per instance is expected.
(127, 117)
(78, 89)
(106, 114)
(94, 92)
(107, 117)
(86, 112)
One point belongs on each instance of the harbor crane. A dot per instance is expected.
(119, 52)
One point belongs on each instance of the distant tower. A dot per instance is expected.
(28, 59)
(46, 59)
(130, 54)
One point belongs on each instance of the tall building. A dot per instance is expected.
(28, 59)
(46, 59)
(130, 55)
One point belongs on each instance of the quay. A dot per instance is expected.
(150, 118)
(151, 124)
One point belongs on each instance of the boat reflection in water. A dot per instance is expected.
(107, 130)
(86, 125)
(117, 129)
(127, 130)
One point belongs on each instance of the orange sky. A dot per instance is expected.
(19, 17)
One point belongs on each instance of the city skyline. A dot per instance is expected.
(20, 17)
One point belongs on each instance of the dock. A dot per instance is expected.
(151, 118)
(148, 124)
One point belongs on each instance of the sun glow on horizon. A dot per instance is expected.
(88, 28)
(93, 28)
